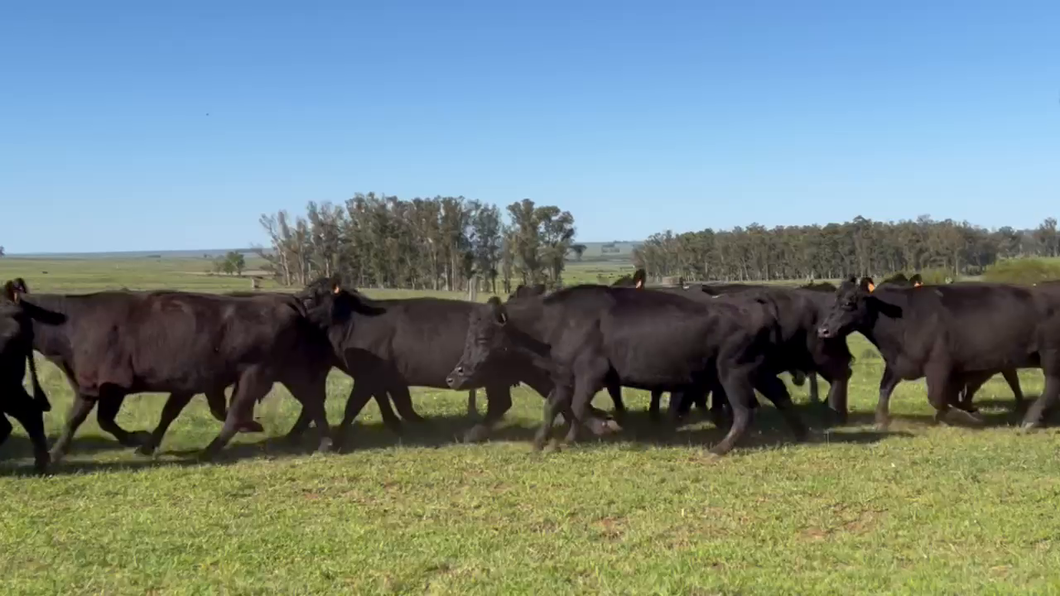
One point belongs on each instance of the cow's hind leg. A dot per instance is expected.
(741, 397)
(775, 391)
(1013, 380)
(888, 382)
(311, 391)
(215, 398)
(29, 414)
(614, 389)
(942, 389)
(76, 416)
(589, 378)
(965, 396)
(403, 402)
(815, 392)
(253, 384)
(175, 404)
(106, 415)
(359, 396)
(1048, 399)
(655, 407)
(5, 428)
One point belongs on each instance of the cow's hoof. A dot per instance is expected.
(141, 438)
(41, 462)
(600, 427)
(326, 446)
(395, 427)
(715, 453)
(477, 434)
(1030, 425)
(146, 449)
(958, 417)
(56, 456)
(251, 427)
(539, 443)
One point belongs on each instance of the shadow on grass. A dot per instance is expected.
(767, 430)
(994, 413)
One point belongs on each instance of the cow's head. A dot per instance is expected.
(486, 340)
(525, 291)
(851, 310)
(638, 278)
(328, 302)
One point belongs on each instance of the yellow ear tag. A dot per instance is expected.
(872, 286)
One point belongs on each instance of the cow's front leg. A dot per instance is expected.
(107, 418)
(77, 414)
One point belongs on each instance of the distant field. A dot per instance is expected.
(918, 510)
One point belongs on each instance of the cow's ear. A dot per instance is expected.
(20, 285)
(867, 284)
(853, 279)
(10, 292)
(638, 278)
(917, 280)
(500, 314)
(335, 283)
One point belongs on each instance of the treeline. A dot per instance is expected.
(861, 246)
(439, 243)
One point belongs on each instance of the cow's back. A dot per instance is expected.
(974, 326)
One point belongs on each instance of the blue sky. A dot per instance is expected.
(635, 116)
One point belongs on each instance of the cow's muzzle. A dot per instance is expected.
(457, 379)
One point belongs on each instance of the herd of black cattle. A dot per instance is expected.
(721, 340)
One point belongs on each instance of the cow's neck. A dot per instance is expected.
(884, 332)
(50, 338)
(527, 327)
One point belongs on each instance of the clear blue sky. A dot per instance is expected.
(636, 116)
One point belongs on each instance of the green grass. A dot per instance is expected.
(920, 509)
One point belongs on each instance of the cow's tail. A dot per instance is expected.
(39, 395)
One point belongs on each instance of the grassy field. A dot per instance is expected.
(919, 509)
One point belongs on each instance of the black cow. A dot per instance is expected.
(972, 381)
(588, 336)
(410, 342)
(637, 281)
(946, 333)
(16, 288)
(115, 343)
(16, 347)
(796, 346)
(307, 372)
(110, 405)
(721, 289)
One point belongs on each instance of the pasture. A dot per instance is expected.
(916, 509)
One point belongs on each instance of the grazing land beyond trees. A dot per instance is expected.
(916, 509)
